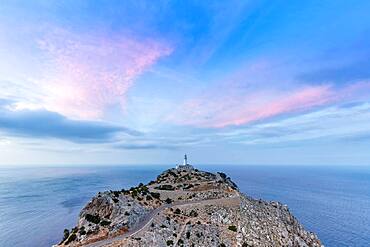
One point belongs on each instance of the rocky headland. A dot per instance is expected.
(185, 207)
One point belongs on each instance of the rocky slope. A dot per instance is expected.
(186, 207)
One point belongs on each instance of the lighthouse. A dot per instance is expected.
(185, 160)
(185, 165)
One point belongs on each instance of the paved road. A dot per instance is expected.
(149, 218)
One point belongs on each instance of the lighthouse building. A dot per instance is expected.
(185, 164)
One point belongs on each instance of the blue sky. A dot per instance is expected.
(228, 82)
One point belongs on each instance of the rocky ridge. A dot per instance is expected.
(186, 207)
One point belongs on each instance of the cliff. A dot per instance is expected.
(186, 207)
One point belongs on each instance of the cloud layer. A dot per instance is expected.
(46, 124)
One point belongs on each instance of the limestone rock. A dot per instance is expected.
(186, 207)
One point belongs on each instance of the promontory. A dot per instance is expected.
(185, 206)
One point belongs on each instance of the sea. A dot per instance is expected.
(38, 203)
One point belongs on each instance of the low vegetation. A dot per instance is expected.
(82, 231)
(105, 223)
(193, 213)
(92, 218)
(164, 187)
(232, 228)
(155, 195)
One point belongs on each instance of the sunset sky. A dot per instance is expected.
(143, 82)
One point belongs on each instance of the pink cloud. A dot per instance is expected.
(85, 73)
(298, 100)
(258, 90)
(222, 108)
(219, 111)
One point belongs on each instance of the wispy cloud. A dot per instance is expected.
(260, 91)
(331, 123)
(86, 73)
(219, 110)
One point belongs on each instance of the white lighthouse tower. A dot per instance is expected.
(185, 160)
(185, 165)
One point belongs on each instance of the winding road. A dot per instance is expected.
(149, 218)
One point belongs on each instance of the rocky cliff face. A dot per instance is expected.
(186, 207)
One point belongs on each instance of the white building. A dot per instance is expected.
(185, 164)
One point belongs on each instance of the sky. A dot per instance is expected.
(227, 82)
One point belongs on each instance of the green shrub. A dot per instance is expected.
(155, 195)
(65, 234)
(71, 238)
(172, 174)
(92, 218)
(177, 211)
(188, 186)
(165, 187)
(169, 242)
(105, 223)
(233, 228)
(193, 213)
(134, 193)
(82, 230)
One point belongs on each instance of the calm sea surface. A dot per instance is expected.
(36, 204)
